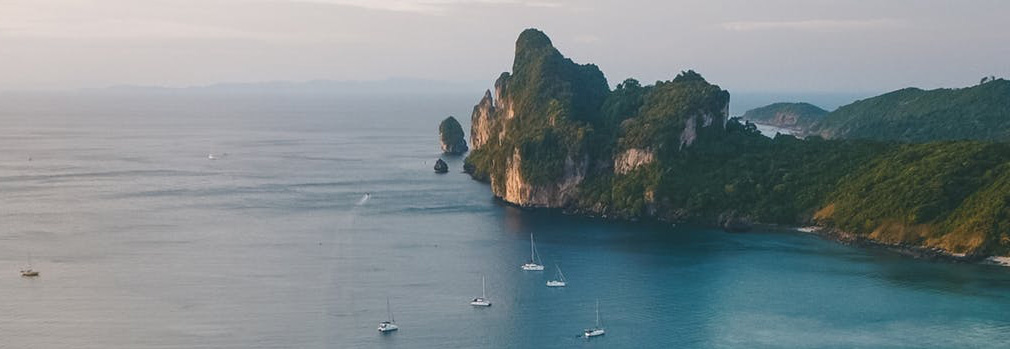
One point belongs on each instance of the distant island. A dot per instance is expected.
(552, 134)
(796, 117)
(980, 112)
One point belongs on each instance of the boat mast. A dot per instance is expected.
(597, 313)
(483, 293)
(389, 311)
(533, 250)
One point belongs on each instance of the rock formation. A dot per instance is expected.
(441, 166)
(450, 134)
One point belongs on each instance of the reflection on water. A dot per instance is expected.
(324, 207)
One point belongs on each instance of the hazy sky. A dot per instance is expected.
(743, 45)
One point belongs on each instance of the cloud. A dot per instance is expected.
(435, 7)
(121, 29)
(812, 25)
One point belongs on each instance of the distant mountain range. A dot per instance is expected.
(388, 86)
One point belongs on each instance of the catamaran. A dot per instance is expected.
(27, 271)
(598, 330)
(389, 325)
(560, 282)
(482, 300)
(535, 263)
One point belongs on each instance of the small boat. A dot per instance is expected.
(481, 301)
(27, 271)
(598, 330)
(560, 282)
(535, 263)
(211, 157)
(389, 325)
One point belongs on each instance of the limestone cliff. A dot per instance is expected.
(529, 136)
(535, 136)
(631, 159)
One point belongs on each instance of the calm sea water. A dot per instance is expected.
(145, 243)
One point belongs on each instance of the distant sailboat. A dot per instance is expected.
(482, 300)
(598, 330)
(27, 271)
(560, 282)
(535, 264)
(211, 157)
(390, 324)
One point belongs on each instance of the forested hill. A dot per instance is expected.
(798, 116)
(552, 134)
(980, 112)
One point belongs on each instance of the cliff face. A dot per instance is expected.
(481, 120)
(631, 159)
(534, 137)
(529, 136)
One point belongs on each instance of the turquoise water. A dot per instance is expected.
(145, 243)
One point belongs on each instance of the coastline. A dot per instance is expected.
(914, 251)
(829, 233)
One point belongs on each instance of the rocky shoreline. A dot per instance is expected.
(914, 251)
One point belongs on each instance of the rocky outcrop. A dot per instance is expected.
(451, 137)
(631, 159)
(481, 121)
(690, 133)
(441, 166)
(734, 222)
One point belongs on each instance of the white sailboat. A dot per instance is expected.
(481, 301)
(560, 282)
(27, 271)
(389, 325)
(598, 330)
(535, 264)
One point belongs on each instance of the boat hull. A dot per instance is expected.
(553, 283)
(532, 267)
(594, 333)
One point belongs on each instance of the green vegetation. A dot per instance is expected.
(798, 116)
(553, 106)
(691, 164)
(980, 112)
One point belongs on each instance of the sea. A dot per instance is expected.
(162, 220)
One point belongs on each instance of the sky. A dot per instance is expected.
(742, 45)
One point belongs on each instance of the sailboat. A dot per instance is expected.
(598, 330)
(482, 300)
(389, 325)
(27, 271)
(560, 282)
(535, 263)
